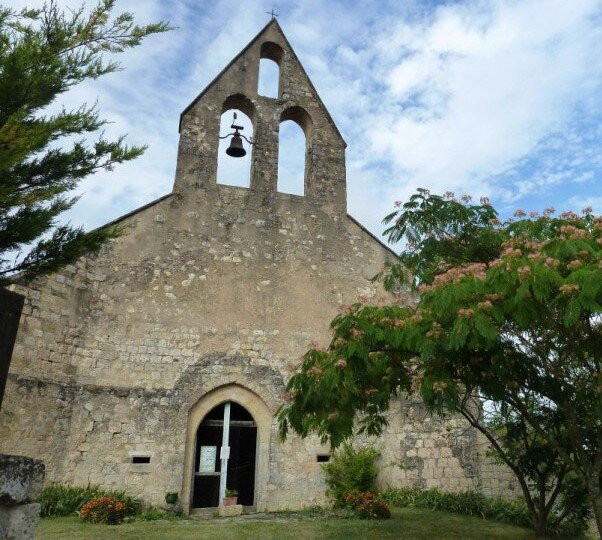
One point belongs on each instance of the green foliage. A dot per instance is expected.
(43, 53)
(367, 505)
(439, 231)
(559, 495)
(62, 500)
(171, 498)
(509, 314)
(472, 503)
(350, 469)
(469, 503)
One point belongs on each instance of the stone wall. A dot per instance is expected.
(211, 287)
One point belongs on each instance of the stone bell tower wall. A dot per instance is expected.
(236, 87)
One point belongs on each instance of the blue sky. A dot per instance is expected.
(493, 98)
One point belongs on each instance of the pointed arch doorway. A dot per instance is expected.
(225, 456)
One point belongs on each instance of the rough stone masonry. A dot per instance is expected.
(212, 292)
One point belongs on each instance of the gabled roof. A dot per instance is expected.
(275, 23)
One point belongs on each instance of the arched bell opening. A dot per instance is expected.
(270, 63)
(225, 456)
(294, 152)
(235, 155)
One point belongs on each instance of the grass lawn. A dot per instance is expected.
(406, 523)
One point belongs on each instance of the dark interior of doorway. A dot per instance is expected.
(241, 465)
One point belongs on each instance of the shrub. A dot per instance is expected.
(350, 469)
(367, 505)
(472, 503)
(61, 500)
(109, 510)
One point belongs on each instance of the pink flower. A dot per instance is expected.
(574, 264)
(520, 213)
(587, 210)
(569, 288)
(449, 194)
(524, 271)
(533, 214)
(484, 200)
(398, 203)
(356, 333)
(549, 211)
(341, 363)
(466, 198)
(315, 371)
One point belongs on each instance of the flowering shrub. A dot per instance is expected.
(367, 505)
(109, 510)
(350, 469)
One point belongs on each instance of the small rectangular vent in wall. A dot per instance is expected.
(322, 458)
(140, 459)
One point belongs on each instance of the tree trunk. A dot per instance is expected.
(540, 524)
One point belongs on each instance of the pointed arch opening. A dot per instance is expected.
(235, 171)
(293, 151)
(270, 61)
(228, 425)
(199, 414)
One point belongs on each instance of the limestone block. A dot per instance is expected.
(21, 479)
(230, 511)
(19, 522)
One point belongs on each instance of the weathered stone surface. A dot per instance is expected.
(21, 479)
(230, 511)
(19, 522)
(215, 290)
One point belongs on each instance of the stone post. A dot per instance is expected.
(21, 481)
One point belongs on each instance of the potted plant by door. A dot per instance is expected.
(231, 497)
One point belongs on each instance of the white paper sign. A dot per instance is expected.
(225, 452)
(207, 459)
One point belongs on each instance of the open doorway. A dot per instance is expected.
(229, 422)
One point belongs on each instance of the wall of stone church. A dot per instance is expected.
(209, 286)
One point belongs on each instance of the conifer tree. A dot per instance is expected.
(508, 314)
(43, 53)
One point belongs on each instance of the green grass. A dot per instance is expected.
(406, 523)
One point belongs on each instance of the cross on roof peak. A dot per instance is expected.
(272, 13)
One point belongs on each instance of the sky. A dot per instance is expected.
(494, 98)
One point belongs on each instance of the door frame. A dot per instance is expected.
(263, 418)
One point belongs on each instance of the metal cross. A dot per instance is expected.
(274, 15)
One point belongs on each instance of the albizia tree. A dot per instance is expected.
(507, 313)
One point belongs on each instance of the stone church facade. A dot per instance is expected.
(124, 360)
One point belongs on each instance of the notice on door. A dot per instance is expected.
(207, 459)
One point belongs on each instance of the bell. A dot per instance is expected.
(236, 149)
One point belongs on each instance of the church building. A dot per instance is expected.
(157, 365)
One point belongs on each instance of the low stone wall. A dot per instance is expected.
(21, 481)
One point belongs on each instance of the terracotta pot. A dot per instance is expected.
(230, 501)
